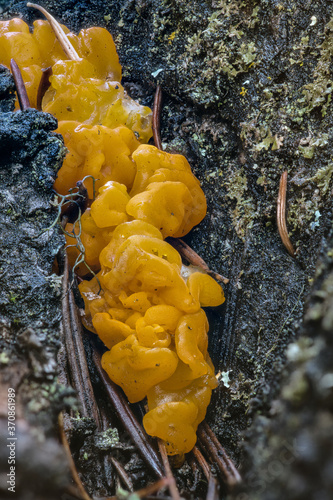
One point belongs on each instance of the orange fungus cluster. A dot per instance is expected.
(143, 303)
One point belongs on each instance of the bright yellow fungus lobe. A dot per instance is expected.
(87, 90)
(95, 150)
(141, 303)
(151, 320)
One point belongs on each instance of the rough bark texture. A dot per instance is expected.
(247, 95)
(289, 451)
(30, 155)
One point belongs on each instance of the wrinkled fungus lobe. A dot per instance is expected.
(142, 303)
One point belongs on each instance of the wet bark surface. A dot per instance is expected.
(246, 95)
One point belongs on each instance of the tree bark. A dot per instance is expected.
(246, 96)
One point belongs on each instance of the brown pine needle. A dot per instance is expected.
(74, 472)
(157, 117)
(153, 488)
(122, 474)
(59, 33)
(44, 84)
(222, 453)
(72, 330)
(145, 492)
(172, 482)
(213, 489)
(281, 214)
(202, 462)
(193, 258)
(214, 450)
(128, 419)
(20, 86)
(186, 251)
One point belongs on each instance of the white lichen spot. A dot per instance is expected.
(313, 21)
(224, 378)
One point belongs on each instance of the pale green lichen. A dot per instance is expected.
(107, 439)
(319, 92)
(323, 177)
(223, 46)
(4, 358)
(245, 211)
(308, 150)
(273, 141)
(302, 213)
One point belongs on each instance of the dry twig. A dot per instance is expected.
(186, 251)
(122, 474)
(281, 214)
(153, 488)
(148, 490)
(213, 489)
(202, 462)
(20, 86)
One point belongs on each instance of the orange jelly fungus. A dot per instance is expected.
(142, 303)
(94, 79)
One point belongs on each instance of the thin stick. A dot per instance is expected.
(20, 86)
(281, 214)
(128, 419)
(73, 490)
(193, 258)
(44, 84)
(74, 472)
(172, 482)
(157, 117)
(59, 33)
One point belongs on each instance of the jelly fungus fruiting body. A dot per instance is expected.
(141, 303)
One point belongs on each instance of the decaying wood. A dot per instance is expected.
(29, 304)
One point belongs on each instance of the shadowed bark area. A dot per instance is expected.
(246, 96)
